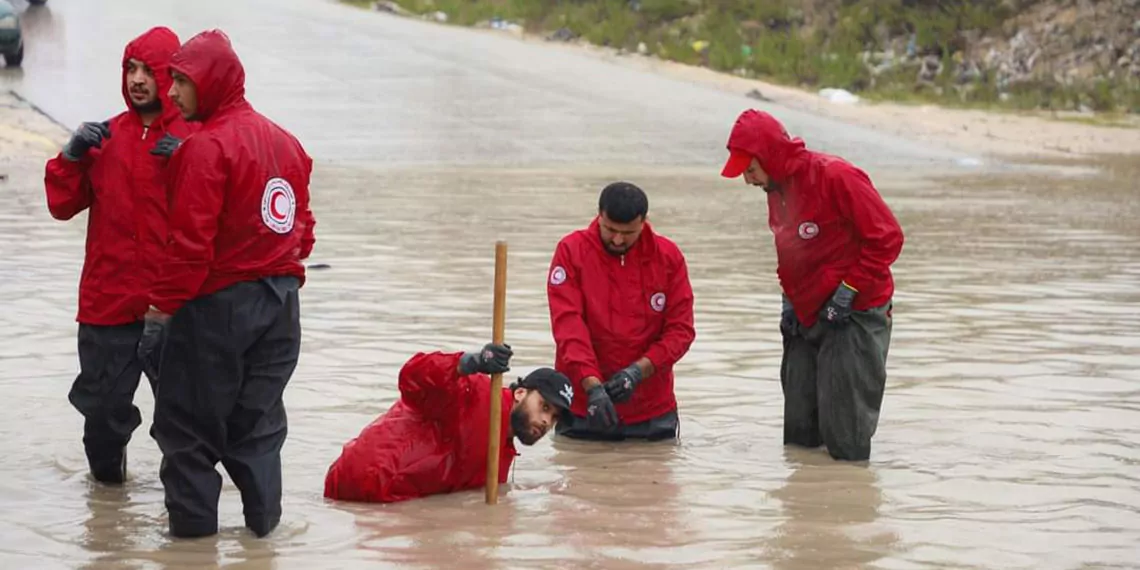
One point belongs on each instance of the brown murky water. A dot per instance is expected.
(1010, 434)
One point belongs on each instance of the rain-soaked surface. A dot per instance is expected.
(1010, 434)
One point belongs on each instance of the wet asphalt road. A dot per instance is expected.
(378, 89)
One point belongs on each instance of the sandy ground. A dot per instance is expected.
(28, 139)
(992, 133)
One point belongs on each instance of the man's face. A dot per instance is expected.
(531, 416)
(756, 175)
(184, 95)
(141, 86)
(618, 238)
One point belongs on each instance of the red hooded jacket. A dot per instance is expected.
(432, 440)
(124, 187)
(830, 223)
(608, 311)
(240, 187)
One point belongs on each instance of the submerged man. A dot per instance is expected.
(835, 242)
(621, 312)
(433, 440)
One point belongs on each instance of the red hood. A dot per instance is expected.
(154, 47)
(208, 59)
(762, 136)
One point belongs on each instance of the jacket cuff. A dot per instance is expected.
(585, 372)
(168, 306)
(656, 355)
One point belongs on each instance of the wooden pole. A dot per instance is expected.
(496, 418)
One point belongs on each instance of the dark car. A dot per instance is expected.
(11, 36)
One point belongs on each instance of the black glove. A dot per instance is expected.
(789, 324)
(494, 358)
(838, 309)
(621, 385)
(150, 345)
(600, 412)
(166, 145)
(86, 136)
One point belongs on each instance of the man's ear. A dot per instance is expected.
(520, 394)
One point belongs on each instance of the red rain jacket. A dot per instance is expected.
(124, 188)
(608, 311)
(240, 187)
(830, 223)
(432, 440)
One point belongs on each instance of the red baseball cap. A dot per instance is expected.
(738, 161)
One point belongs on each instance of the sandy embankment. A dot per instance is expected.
(28, 139)
(997, 134)
(985, 132)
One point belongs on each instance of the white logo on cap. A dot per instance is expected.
(567, 392)
(657, 302)
(278, 205)
(557, 276)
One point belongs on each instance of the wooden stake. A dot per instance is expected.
(496, 418)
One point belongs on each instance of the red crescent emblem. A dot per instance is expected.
(277, 195)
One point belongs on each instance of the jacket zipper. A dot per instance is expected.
(146, 130)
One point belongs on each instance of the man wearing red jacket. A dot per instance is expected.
(835, 242)
(240, 224)
(433, 440)
(115, 170)
(621, 311)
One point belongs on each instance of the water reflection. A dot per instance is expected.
(626, 492)
(827, 511)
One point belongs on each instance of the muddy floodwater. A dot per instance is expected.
(1010, 432)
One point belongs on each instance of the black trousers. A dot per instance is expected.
(659, 428)
(104, 393)
(833, 380)
(227, 359)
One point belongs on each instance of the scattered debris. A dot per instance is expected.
(839, 96)
(562, 35)
(756, 94)
(390, 7)
(498, 23)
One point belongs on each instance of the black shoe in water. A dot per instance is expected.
(112, 471)
(262, 525)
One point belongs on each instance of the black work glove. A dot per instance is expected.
(494, 358)
(789, 324)
(150, 344)
(86, 136)
(166, 145)
(621, 385)
(838, 309)
(600, 412)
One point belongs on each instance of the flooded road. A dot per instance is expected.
(1010, 433)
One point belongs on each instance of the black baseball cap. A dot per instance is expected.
(553, 385)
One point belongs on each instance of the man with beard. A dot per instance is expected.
(227, 295)
(621, 311)
(116, 170)
(433, 440)
(835, 242)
